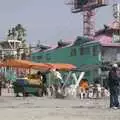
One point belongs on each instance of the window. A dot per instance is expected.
(48, 57)
(81, 51)
(39, 57)
(87, 50)
(33, 58)
(87, 73)
(95, 51)
(73, 52)
(84, 50)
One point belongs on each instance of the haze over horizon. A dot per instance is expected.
(47, 21)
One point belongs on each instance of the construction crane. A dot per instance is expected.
(88, 8)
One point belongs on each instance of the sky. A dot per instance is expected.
(47, 20)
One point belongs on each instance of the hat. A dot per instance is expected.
(115, 65)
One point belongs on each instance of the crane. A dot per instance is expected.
(88, 8)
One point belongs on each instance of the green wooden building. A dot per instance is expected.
(87, 54)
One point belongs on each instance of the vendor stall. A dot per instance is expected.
(58, 76)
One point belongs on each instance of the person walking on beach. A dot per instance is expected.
(0, 87)
(113, 82)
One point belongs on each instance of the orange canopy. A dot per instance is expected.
(41, 66)
(62, 66)
(26, 64)
(1, 64)
(18, 63)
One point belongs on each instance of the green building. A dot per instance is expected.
(87, 54)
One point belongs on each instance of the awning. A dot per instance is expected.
(41, 66)
(17, 63)
(62, 66)
(1, 64)
(26, 64)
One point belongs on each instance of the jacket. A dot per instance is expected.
(113, 79)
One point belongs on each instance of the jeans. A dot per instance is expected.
(119, 98)
(114, 102)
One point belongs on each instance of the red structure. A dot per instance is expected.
(88, 8)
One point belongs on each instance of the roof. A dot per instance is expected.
(115, 25)
(106, 41)
(103, 39)
(108, 29)
(111, 45)
(53, 48)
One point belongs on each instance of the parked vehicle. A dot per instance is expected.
(28, 86)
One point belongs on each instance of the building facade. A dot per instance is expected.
(87, 54)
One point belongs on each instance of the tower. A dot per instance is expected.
(88, 8)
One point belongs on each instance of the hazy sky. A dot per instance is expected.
(47, 20)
